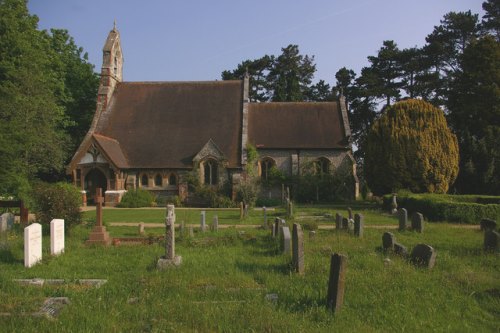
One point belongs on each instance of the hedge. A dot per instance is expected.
(452, 208)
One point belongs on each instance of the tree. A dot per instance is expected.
(411, 147)
(491, 20)
(320, 92)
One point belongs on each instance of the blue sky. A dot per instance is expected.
(188, 40)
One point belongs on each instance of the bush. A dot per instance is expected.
(137, 198)
(267, 202)
(453, 208)
(57, 201)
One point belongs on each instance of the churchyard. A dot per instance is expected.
(240, 278)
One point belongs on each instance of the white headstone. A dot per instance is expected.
(32, 244)
(56, 236)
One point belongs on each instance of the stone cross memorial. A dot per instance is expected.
(99, 235)
(336, 283)
(32, 244)
(298, 248)
(170, 259)
(56, 236)
(403, 219)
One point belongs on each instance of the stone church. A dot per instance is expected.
(151, 135)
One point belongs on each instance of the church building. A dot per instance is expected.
(152, 135)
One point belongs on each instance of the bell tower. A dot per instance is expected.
(112, 67)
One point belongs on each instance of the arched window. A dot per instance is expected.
(211, 172)
(144, 180)
(158, 180)
(172, 180)
(265, 167)
(322, 166)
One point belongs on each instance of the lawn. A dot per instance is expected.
(234, 281)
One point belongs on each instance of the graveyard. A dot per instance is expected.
(243, 275)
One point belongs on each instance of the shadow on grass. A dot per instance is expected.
(7, 257)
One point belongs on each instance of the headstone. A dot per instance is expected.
(203, 225)
(491, 240)
(242, 213)
(312, 234)
(349, 212)
(336, 282)
(32, 244)
(298, 248)
(286, 241)
(264, 210)
(215, 225)
(275, 227)
(290, 208)
(56, 236)
(281, 224)
(99, 235)
(388, 241)
(358, 225)
(394, 205)
(191, 231)
(182, 229)
(171, 212)
(170, 259)
(423, 255)
(488, 224)
(403, 219)
(141, 228)
(338, 221)
(400, 250)
(6, 221)
(345, 223)
(417, 222)
(9, 219)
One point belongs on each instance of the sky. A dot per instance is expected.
(195, 40)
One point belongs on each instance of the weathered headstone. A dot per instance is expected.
(358, 225)
(298, 248)
(286, 241)
(170, 259)
(99, 235)
(32, 244)
(56, 236)
(423, 255)
(417, 222)
(141, 228)
(491, 240)
(8, 219)
(488, 224)
(215, 224)
(400, 250)
(203, 225)
(336, 282)
(403, 219)
(275, 227)
(345, 223)
(338, 221)
(388, 241)
(394, 205)
(281, 224)
(349, 212)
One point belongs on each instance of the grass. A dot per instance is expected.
(225, 280)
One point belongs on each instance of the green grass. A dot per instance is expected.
(223, 281)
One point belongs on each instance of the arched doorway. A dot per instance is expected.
(95, 178)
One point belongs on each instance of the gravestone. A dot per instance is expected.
(423, 255)
(349, 212)
(141, 228)
(6, 222)
(298, 248)
(388, 241)
(345, 223)
(417, 222)
(275, 227)
(286, 241)
(338, 221)
(8, 219)
(56, 236)
(336, 282)
(203, 225)
(264, 210)
(312, 234)
(400, 250)
(281, 224)
(32, 244)
(169, 259)
(215, 225)
(488, 224)
(242, 213)
(491, 240)
(191, 231)
(358, 225)
(394, 205)
(99, 235)
(171, 212)
(403, 219)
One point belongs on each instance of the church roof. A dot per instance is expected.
(299, 125)
(165, 124)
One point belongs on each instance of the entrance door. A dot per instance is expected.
(95, 179)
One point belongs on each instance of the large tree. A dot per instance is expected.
(411, 147)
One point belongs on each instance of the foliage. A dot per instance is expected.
(248, 188)
(453, 208)
(56, 201)
(310, 225)
(411, 147)
(267, 202)
(137, 198)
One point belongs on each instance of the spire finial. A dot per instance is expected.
(114, 25)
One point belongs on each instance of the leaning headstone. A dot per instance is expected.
(338, 221)
(345, 223)
(358, 225)
(400, 250)
(56, 236)
(32, 244)
(423, 255)
(349, 212)
(286, 241)
(336, 282)
(491, 240)
(388, 241)
(298, 248)
(403, 219)
(141, 228)
(170, 259)
(215, 224)
(203, 225)
(488, 224)
(417, 222)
